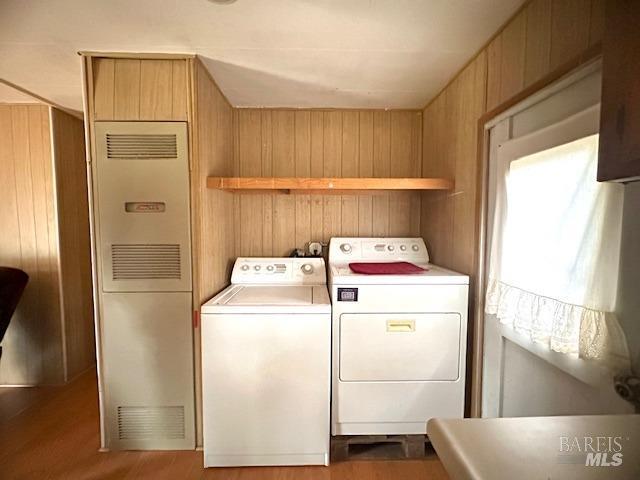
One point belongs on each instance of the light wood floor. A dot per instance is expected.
(52, 433)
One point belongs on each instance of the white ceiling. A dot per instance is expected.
(286, 53)
(11, 95)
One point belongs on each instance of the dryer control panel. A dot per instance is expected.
(274, 271)
(347, 250)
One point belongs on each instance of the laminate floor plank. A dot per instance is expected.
(14, 400)
(52, 433)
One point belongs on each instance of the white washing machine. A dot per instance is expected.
(399, 340)
(266, 349)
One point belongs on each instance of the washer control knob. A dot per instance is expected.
(257, 268)
(346, 248)
(391, 248)
(307, 268)
(244, 267)
(403, 248)
(415, 248)
(270, 268)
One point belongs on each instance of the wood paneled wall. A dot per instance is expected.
(45, 233)
(330, 143)
(32, 347)
(139, 89)
(450, 146)
(543, 36)
(74, 241)
(212, 155)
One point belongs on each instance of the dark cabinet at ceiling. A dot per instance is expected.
(619, 156)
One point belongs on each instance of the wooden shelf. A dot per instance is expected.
(325, 185)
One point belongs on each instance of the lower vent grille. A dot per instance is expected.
(145, 261)
(151, 423)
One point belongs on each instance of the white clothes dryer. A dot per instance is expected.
(399, 339)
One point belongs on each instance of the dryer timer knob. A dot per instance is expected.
(346, 248)
(307, 268)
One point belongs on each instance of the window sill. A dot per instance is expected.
(590, 372)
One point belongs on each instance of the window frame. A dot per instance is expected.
(575, 101)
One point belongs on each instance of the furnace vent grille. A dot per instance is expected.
(145, 261)
(147, 423)
(127, 147)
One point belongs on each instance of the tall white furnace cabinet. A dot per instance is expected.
(142, 258)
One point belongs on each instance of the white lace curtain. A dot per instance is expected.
(555, 248)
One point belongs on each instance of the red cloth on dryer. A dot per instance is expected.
(389, 268)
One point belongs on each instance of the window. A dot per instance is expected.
(555, 247)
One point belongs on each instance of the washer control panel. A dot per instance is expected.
(251, 270)
(346, 250)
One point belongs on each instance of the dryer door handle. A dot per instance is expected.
(401, 326)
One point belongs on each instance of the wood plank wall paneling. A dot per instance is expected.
(139, 89)
(512, 61)
(46, 233)
(341, 143)
(543, 36)
(537, 40)
(448, 217)
(570, 24)
(75, 247)
(212, 129)
(32, 347)
(596, 22)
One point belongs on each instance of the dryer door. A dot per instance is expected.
(399, 347)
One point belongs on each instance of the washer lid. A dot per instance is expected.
(270, 299)
(272, 295)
